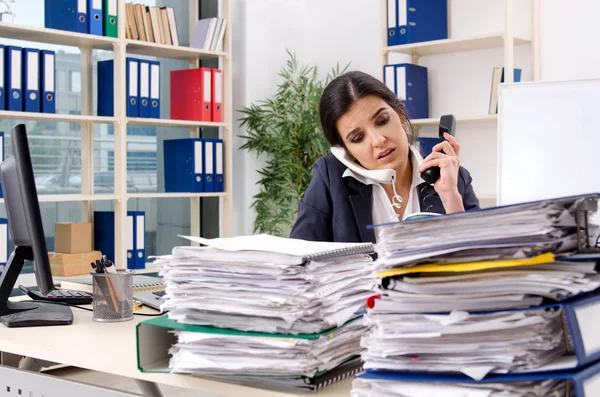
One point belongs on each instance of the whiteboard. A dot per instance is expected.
(548, 140)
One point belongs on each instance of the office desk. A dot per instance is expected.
(111, 348)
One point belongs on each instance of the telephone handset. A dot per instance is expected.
(387, 176)
(447, 124)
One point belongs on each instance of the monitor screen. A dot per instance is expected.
(23, 208)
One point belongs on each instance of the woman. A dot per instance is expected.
(360, 114)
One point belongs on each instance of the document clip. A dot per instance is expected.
(584, 206)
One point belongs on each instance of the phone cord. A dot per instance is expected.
(396, 200)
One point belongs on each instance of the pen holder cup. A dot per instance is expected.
(113, 296)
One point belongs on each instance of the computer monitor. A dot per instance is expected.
(27, 230)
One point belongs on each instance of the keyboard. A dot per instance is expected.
(159, 293)
(70, 297)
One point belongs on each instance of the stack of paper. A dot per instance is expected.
(516, 231)
(263, 354)
(390, 388)
(267, 291)
(491, 285)
(481, 293)
(473, 344)
(267, 311)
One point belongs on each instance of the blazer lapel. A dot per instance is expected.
(360, 199)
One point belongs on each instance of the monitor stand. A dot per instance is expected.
(27, 313)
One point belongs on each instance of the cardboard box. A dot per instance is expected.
(72, 238)
(72, 264)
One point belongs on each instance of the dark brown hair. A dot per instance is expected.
(343, 91)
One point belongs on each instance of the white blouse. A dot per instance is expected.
(382, 209)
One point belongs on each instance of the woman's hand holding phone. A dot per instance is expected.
(446, 156)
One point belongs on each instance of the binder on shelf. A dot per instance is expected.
(48, 74)
(104, 237)
(392, 22)
(584, 382)
(110, 18)
(208, 155)
(139, 237)
(217, 96)
(130, 241)
(70, 15)
(411, 87)
(31, 80)
(155, 89)
(184, 165)
(2, 78)
(421, 20)
(3, 243)
(219, 178)
(191, 94)
(95, 20)
(106, 90)
(1, 157)
(14, 93)
(133, 83)
(427, 144)
(144, 89)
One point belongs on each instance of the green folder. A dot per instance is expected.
(111, 19)
(154, 338)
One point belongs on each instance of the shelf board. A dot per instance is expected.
(71, 118)
(175, 195)
(68, 198)
(171, 123)
(473, 119)
(454, 45)
(169, 51)
(55, 36)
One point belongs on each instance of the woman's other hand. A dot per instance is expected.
(445, 156)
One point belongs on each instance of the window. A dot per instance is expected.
(74, 81)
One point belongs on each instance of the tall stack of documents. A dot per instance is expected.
(262, 305)
(465, 298)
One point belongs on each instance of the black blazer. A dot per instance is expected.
(340, 209)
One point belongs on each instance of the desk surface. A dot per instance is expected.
(111, 348)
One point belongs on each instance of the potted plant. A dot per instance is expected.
(287, 130)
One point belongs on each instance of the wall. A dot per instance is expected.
(262, 31)
(459, 82)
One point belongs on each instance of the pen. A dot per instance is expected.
(99, 267)
(109, 267)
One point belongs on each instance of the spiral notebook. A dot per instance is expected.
(299, 383)
(141, 283)
(303, 250)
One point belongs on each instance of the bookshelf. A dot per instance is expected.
(121, 48)
(505, 40)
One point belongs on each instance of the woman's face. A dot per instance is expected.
(373, 133)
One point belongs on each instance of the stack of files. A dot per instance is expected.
(481, 286)
(265, 283)
(474, 344)
(152, 24)
(209, 34)
(580, 383)
(247, 357)
(509, 290)
(514, 231)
